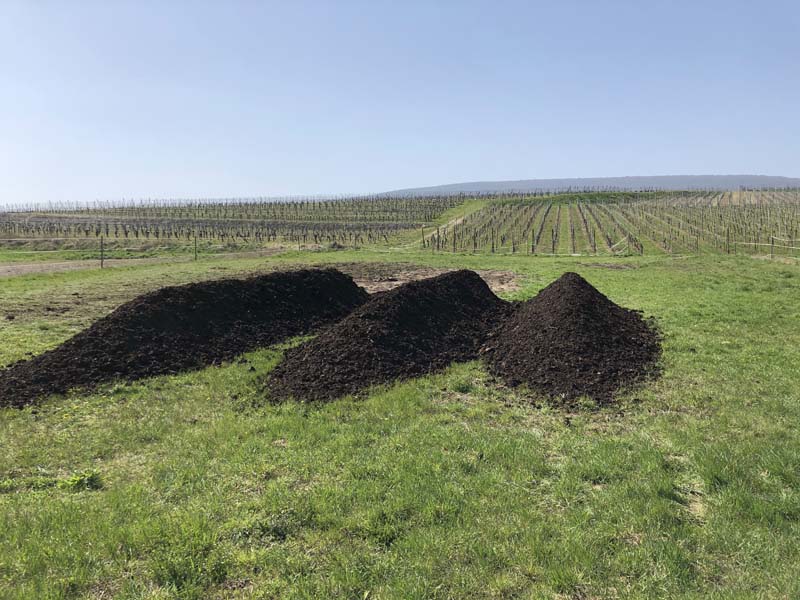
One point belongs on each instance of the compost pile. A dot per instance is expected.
(571, 341)
(185, 327)
(417, 328)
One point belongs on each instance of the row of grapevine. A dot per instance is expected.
(630, 223)
(593, 222)
(348, 221)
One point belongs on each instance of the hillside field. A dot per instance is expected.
(446, 486)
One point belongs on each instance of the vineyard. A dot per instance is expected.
(577, 223)
(757, 222)
(353, 221)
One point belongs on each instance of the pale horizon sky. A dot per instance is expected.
(111, 100)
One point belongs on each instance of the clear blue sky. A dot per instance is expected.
(112, 99)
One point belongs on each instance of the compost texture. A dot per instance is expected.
(185, 327)
(417, 328)
(571, 341)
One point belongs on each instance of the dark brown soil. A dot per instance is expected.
(417, 328)
(383, 276)
(185, 327)
(571, 341)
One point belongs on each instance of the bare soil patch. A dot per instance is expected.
(380, 277)
(612, 266)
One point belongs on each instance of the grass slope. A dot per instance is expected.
(443, 487)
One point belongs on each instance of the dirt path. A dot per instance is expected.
(15, 269)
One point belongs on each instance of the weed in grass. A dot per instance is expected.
(86, 480)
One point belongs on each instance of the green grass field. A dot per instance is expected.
(448, 486)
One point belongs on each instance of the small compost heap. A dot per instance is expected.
(571, 341)
(417, 328)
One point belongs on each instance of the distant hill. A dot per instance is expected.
(657, 182)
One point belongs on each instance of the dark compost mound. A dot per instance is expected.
(417, 328)
(571, 341)
(185, 327)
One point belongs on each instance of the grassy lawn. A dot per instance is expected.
(449, 486)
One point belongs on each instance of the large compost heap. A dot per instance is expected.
(420, 327)
(185, 327)
(571, 341)
(567, 342)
